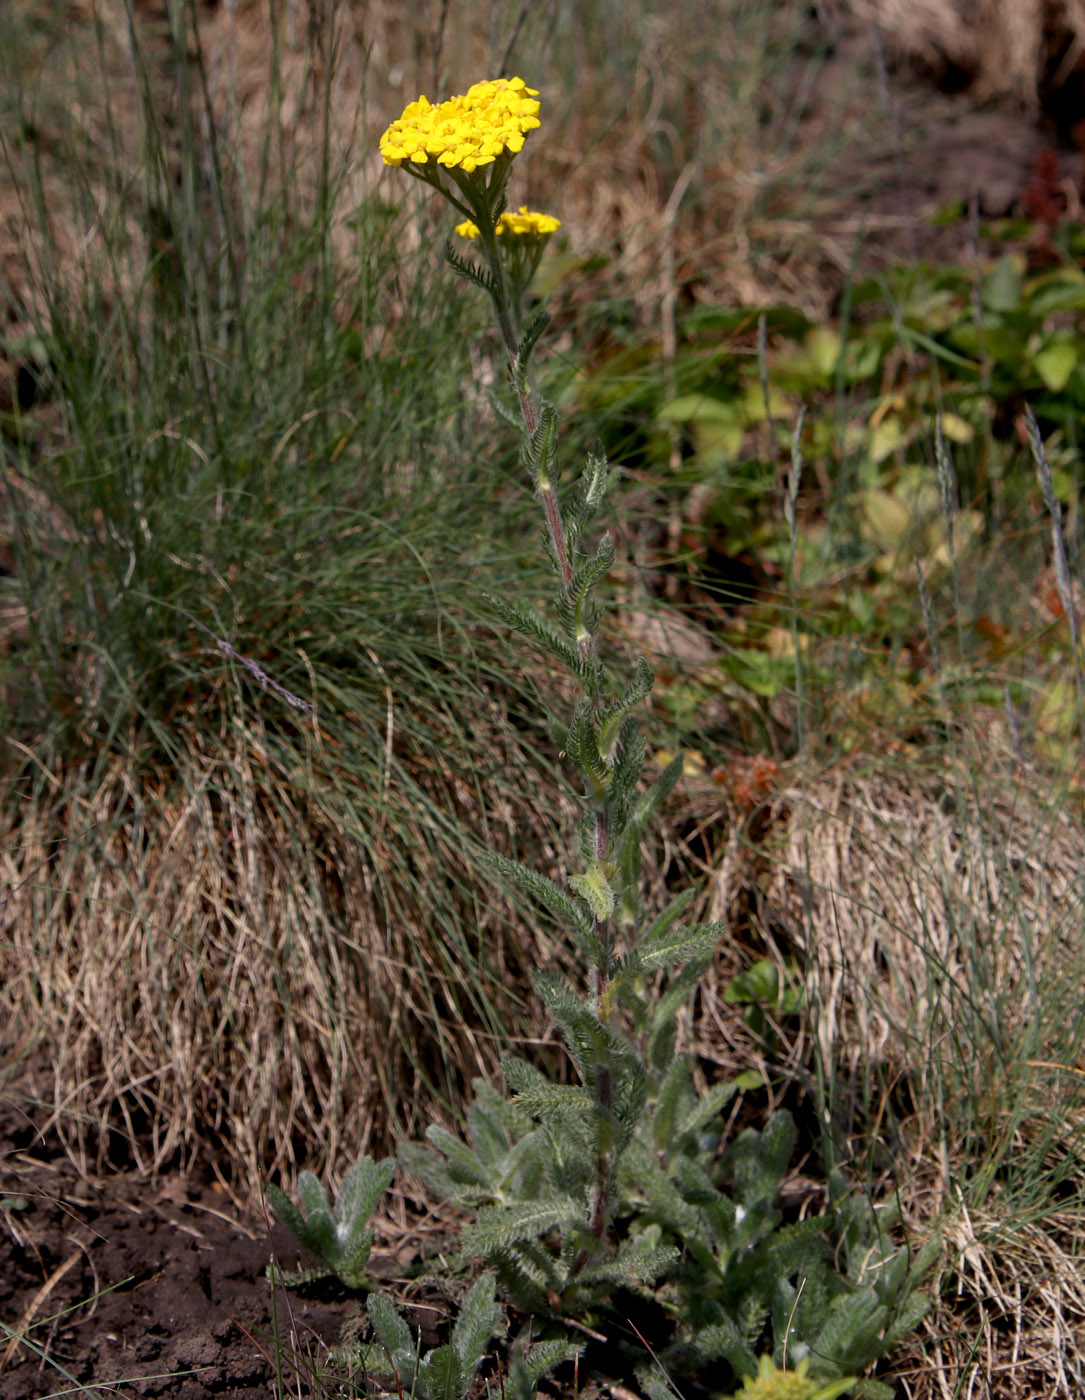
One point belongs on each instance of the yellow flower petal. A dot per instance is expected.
(492, 117)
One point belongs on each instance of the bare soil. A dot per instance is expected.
(137, 1289)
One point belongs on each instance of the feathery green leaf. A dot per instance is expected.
(478, 1320)
(674, 945)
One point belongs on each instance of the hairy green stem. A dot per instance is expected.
(508, 322)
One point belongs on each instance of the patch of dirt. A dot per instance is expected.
(924, 151)
(137, 1289)
(952, 155)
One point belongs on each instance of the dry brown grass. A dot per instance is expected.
(47, 130)
(217, 960)
(1009, 45)
(884, 859)
(941, 916)
(658, 156)
(293, 928)
(939, 908)
(220, 969)
(1012, 1324)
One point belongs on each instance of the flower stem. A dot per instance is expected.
(508, 321)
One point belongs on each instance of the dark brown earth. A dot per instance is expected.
(133, 1289)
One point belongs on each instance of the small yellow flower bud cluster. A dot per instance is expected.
(523, 224)
(466, 132)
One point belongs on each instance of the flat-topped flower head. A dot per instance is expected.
(525, 223)
(490, 120)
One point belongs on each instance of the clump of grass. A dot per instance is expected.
(709, 169)
(253, 721)
(934, 888)
(231, 507)
(919, 898)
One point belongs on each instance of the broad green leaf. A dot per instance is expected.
(1055, 712)
(956, 429)
(759, 983)
(887, 520)
(886, 436)
(823, 345)
(968, 527)
(1055, 360)
(697, 408)
(753, 403)
(861, 360)
(1060, 290)
(718, 440)
(1002, 287)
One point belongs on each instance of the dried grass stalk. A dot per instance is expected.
(916, 898)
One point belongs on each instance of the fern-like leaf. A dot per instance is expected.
(571, 912)
(478, 1320)
(556, 1103)
(723, 1338)
(851, 1337)
(583, 749)
(286, 1211)
(467, 270)
(574, 602)
(707, 1107)
(528, 341)
(678, 944)
(390, 1329)
(541, 1358)
(636, 691)
(440, 1376)
(595, 482)
(639, 1264)
(497, 1228)
(540, 631)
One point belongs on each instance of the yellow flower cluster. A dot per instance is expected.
(523, 224)
(465, 132)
